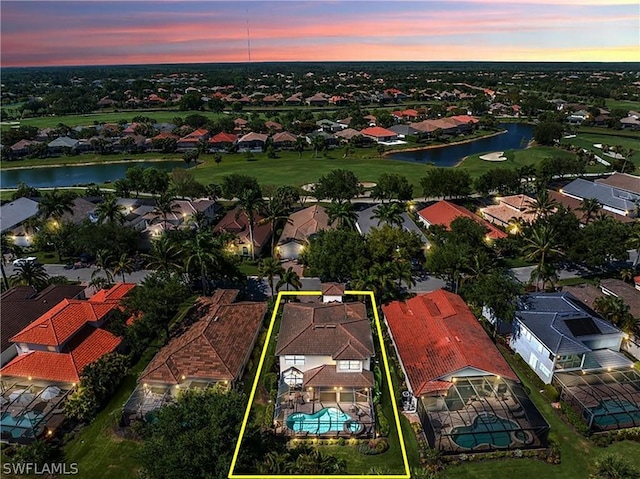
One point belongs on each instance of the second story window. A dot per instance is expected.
(294, 360)
(349, 366)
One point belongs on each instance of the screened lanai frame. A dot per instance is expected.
(482, 413)
(606, 400)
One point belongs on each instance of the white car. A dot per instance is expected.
(22, 261)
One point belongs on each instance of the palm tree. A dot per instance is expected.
(390, 213)
(343, 213)
(590, 207)
(54, 204)
(614, 310)
(317, 144)
(165, 255)
(165, 205)
(401, 271)
(627, 275)
(125, 264)
(274, 212)
(540, 245)
(110, 211)
(543, 205)
(348, 150)
(289, 278)
(104, 261)
(270, 268)
(249, 203)
(198, 219)
(300, 145)
(30, 273)
(202, 256)
(383, 278)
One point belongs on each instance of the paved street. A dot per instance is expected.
(82, 274)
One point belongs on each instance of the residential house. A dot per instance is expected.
(214, 349)
(61, 144)
(324, 351)
(508, 208)
(349, 134)
(575, 206)
(273, 100)
(284, 140)
(554, 332)
(330, 140)
(381, 135)
(252, 142)
(294, 100)
(366, 222)
(456, 376)
(444, 212)
(236, 222)
(183, 213)
(23, 147)
(612, 199)
(222, 141)
(622, 181)
(16, 212)
(330, 126)
(319, 99)
(403, 130)
(193, 140)
(301, 226)
(21, 305)
(240, 125)
(272, 126)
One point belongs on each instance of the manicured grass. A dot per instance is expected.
(587, 140)
(249, 268)
(515, 159)
(577, 452)
(89, 158)
(622, 104)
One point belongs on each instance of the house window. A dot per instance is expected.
(294, 360)
(349, 366)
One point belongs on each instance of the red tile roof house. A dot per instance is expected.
(237, 223)
(444, 212)
(214, 349)
(457, 378)
(379, 134)
(284, 140)
(192, 140)
(300, 227)
(252, 142)
(222, 141)
(324, 351)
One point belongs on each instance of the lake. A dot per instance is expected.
(77, 175)
(516, 137)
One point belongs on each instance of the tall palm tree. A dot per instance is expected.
(165, 205)
(124, 265)
(104, 263)
(383, 278)
(273, 212)
(30, 273)
(317, 144)
(543, 205)
(197, 219)
(401, 271)
(343, 213)
(270, 268)
(54, 204)
(614, 310)
(590, 207)
(110, 211)
(249, 203)
(627, 275)
(300, 145)
(165, 255)
(202, 256)
(289, 278)
(390, 213)
(540, 246)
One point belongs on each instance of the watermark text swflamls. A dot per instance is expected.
(46, 469)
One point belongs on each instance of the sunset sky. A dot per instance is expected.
(126, 32)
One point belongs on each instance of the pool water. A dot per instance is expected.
(616, 412)
(487, 429)
(20, 426)
(324, 421)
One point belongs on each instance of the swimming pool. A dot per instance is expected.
(329, 419)
(616, 413)
(488, 429)
(22, 425)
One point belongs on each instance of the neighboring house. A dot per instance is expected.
(299, 229)
(59, 344)
(330, 140)
(236, 222)
(379, 134)
(21, 305)
(366, 221)
(61, 144)
(23, 147)
(192, 140)
(330, 126)
(284, 140)
(273, 126)
(181, 216)
(16, 212)
(612, 199)
(349, 134)
(456, 377)
(444, 212)
(222, 141)
(214, 349)
(508, 208)
(403, 130)
(575, 204)
(325, 351)
(319, 99)
(252, 142)
(554, 332)
(622, 181)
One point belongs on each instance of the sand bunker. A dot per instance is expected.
(495, 156)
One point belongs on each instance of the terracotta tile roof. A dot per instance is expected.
(163, 135)
(223, 137)
(66, 366)
(240, 227)
(333, 289)
(443, 213)
(214, 348)
(304, 223)
(253, 136)
(378, 132)
(272, 125)
(436, 335)
(284, 137)
(327, 329)
(327, 376)
(575, 205)
(115, 293)
(510, 207)
(348, 133)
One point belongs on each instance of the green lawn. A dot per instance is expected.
(577, 452)
(515, 159)
(89, 158)
(622, 104)
(587, 140)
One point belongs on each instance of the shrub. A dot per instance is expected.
(383, 423)
(575, 420)
(270, 381)
(551, 392)
(267, 419)
(373, 447)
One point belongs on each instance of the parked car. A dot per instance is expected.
(23, 261)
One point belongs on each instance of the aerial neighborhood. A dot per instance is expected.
(314, 269)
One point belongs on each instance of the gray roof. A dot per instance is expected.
(549, 315)
(366, 221)
(63, 142)
(14, 213)
(403, 130)
(606, 195)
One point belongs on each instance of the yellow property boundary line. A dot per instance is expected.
(256, 380)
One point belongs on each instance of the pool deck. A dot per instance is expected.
(360, 412)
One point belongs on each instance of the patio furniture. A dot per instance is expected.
(49, 393)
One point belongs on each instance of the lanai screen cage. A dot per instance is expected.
(482, 413)
(605, 400)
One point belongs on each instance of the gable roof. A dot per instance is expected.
(436, 335)
(223, 137)
(327, 329)
(327, 376)
(443, 213)
(574, 205)
(17, 211)
(622, 181)
(378, 132)
(214, 348)
(283, 137)
(331, 289)
(253, 136)
(239, 225)
(304, 223)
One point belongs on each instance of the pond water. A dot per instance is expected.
(516, 137)
(77, 175)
